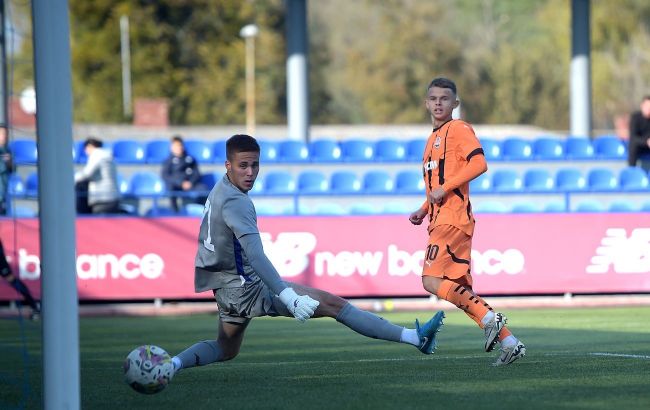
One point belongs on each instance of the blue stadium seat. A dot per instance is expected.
(602, 179)
(389, 150)
(160, 211)
(555, 207)
(193, 209)
(633, 179)
(487, 207)
(78, 153)
(415, 149)
(312, 182)
(623, 205)
(538, 180)
(345, 182)
(570, 179)
(377, 182)
(264, 209)
(516, 149)
(578, 148)
(325, 150)
(409, 182)
(219, 151)
(128, 152)
(293, 151)
(31, 185)
(15, 186)
(506, 180)
(491, 149)
(548, 149)
(146, 183)
(482, 183)
(645, 207)
(200, 150)
(279, 183)
(610, 148)
(156, 151)
(526, 207)
(258, 187)
(24, 151)
(357, 151)
(210, 179)
(268, 151)
(590, 205)
(122, 184)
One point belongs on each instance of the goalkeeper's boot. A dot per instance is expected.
(427, 332)
(511, 353)
(492, 330)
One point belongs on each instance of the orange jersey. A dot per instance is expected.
(446, 154)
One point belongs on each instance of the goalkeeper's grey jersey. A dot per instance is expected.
(220, 260)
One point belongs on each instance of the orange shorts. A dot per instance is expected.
(448, 254)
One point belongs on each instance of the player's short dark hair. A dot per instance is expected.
(646, 98)
(177, 138)
(241, 143)
(442, 82)
(94, 142)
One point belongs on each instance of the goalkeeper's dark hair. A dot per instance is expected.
(442, 82)
(241, 143)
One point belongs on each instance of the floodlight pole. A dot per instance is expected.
(249, 32)
(56, 204)
(125, 54)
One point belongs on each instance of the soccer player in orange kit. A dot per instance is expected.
(452, 157)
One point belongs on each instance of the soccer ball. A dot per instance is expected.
(148, 369)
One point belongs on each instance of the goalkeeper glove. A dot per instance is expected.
(302, 307)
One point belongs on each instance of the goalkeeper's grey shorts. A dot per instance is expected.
(254, 299)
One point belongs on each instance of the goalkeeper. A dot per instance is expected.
(231, 262)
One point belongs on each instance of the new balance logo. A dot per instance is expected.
(625, 254)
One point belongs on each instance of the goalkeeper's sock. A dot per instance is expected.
(178, 364)
(23, 290)
(369, 324)
(200, 354)
(410, 336)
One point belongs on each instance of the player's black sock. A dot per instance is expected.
(23, 290)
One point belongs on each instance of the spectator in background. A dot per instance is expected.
(101, 175)
(181, 173)
(6, 168)
(639, 132)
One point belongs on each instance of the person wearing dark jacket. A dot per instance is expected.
(181, 175)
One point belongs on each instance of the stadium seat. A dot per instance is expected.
(364, 208)
(268, 151)
(506, 180)
(78, 153)
(555, 207)
(526, 207)
(415, 149)
(645, 207)
(622, 205)
(31, 185)
(516, 149)
(312, 182)
(377, 182)
(156, 151)
(21, 211)
(357, 151)
(145, 184)
(128, 152)
(264, 209)
(548, 149)
(193, 209)
(388, 150)
(15, 186)
(570, 179)
(160, 211)
(210, 179)
(397, 208)
(24, 151)
(293, 151)
(482, 183)
(279, 183)
(590, 205)
(409, 182)
(344, 182)
(538, 180)
(494, 207)
(491, 149)
(325, 150)
(122, 184)
(219, 152)
(200, 150)
(633, 179)
(578, 148)
(610, 148)
(602, 179)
